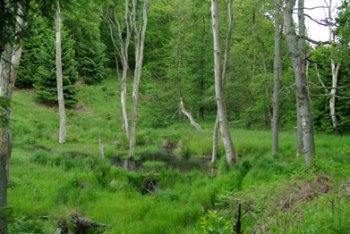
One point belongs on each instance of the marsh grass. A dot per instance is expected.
(48, 179)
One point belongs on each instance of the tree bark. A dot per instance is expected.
(332, 101)
(189, 116)
(5, 134)
(335, 73)
(214, 154)
(219, 88)
(223, 77)
(300, 143)
(296, 45)
(122, 51)
(59, 77)
(139, 48)
(9, 61)
(277, 80)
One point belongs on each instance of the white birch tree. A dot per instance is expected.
(223, 76)
(139, 41)
(335, 69)
(296, 46)
(219, 88)
(122, 50)
(60, 92)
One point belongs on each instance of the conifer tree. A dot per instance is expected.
(45, 77)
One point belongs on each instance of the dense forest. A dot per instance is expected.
(174, 116)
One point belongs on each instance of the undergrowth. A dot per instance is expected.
(50, 182)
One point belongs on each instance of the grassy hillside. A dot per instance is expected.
(50, 182)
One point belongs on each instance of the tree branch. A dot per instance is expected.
(314, 41)
(189, 116)
(326, 24)
(312, 8)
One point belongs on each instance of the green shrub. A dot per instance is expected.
(213, 223)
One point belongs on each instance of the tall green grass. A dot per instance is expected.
(53, 180)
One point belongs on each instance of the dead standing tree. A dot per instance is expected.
(222, 120)
(296, 46)
(136, 25)
(335, 69)
(277, 79)
(139, 41)
(59, 77)
(122, 50)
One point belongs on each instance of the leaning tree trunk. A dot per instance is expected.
(60, 95)
(277, 80)
(139, 48)
(296, 45)
(219, 88)
(189, 116)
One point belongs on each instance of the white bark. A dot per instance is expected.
(219, 88)
(215, 140)
(300, 143)
(277, 80)
(60, 95)
(124, 58)
(296, 46)
(335, 73)
(189, 116)
(223, 76)
(139, 37)
(332, 100)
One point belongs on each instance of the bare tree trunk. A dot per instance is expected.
(214, 154)
(332, 101)
(9, 61)
(277, 80)
(219, 88)
(123, 101)
(296, 45)
(5, 134)
(223, 76)
(300, 144)
(139, 48)
(60, 95)
(124, 57)
(335, 72)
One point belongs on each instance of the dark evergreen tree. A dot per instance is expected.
(37, 36)
(45, 77)
(84, 27)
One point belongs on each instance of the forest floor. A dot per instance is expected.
(173, 189)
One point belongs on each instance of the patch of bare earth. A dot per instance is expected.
(295, 195)
(306, 191)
